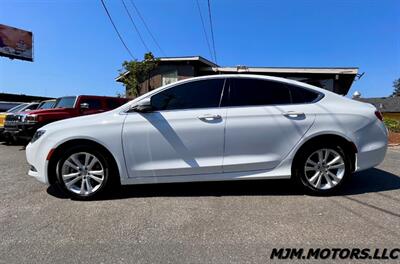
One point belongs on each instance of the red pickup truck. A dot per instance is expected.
(65, 107)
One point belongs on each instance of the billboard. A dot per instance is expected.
(16, 43)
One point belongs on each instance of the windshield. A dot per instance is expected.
(17, 108)
(65, 102)
(46, 105)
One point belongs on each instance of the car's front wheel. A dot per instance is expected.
(323, 168)
(83, 172)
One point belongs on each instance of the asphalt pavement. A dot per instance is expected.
(218, 222)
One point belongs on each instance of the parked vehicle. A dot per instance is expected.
(213, 128)
(20, 108)
(66, 107)
(13, 125)
(4, 114)
(5, 106)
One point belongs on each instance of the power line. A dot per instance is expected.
(204, 29)
(147, 28)
(116, 30)
(134, 25)
(212, 31)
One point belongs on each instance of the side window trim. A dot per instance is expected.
(222, 93)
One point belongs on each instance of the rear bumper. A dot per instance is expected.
(371, 158)
(372, 144)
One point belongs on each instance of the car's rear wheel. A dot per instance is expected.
(322, 168)
(83, 172)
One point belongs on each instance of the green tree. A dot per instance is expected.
(396, 86)
(138, 72)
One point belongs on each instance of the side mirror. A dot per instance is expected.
(143, 106)
(84, 106)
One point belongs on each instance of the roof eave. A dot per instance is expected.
(351, 71)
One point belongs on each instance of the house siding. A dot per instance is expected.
(184, 71)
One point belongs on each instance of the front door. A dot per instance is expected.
(183, 135)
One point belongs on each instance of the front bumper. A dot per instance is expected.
(20, 131)
(36, 156)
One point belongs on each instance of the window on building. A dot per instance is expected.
(249, 92)
(198, 94)
(169, 77)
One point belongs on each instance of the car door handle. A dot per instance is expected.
(293, 114)
(208, 117)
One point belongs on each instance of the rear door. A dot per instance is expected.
(262, 125)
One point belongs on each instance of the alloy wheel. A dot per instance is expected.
(324, 169)
(82, 173)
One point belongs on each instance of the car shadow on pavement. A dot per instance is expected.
(369, 181)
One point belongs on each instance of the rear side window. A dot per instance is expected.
(93, 103)
(249, 92)
(197, 94)
(301, 95)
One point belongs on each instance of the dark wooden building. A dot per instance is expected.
(172, 69)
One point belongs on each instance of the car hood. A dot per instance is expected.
(48, 111)
(80, 121)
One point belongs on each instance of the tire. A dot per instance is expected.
(322, 176)
(83, 172)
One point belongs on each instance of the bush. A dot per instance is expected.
(392, 125)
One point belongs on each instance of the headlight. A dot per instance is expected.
(31, 119)
(37, 135)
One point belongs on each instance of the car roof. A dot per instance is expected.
(250, 76)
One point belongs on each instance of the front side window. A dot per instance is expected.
(252, 92)
(169, 77)
(197, 94)
(93, 103)
(65, 102)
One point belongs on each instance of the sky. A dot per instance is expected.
(76, 50)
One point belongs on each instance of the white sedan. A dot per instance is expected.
(213, 128)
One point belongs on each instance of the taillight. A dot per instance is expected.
(379, 115)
